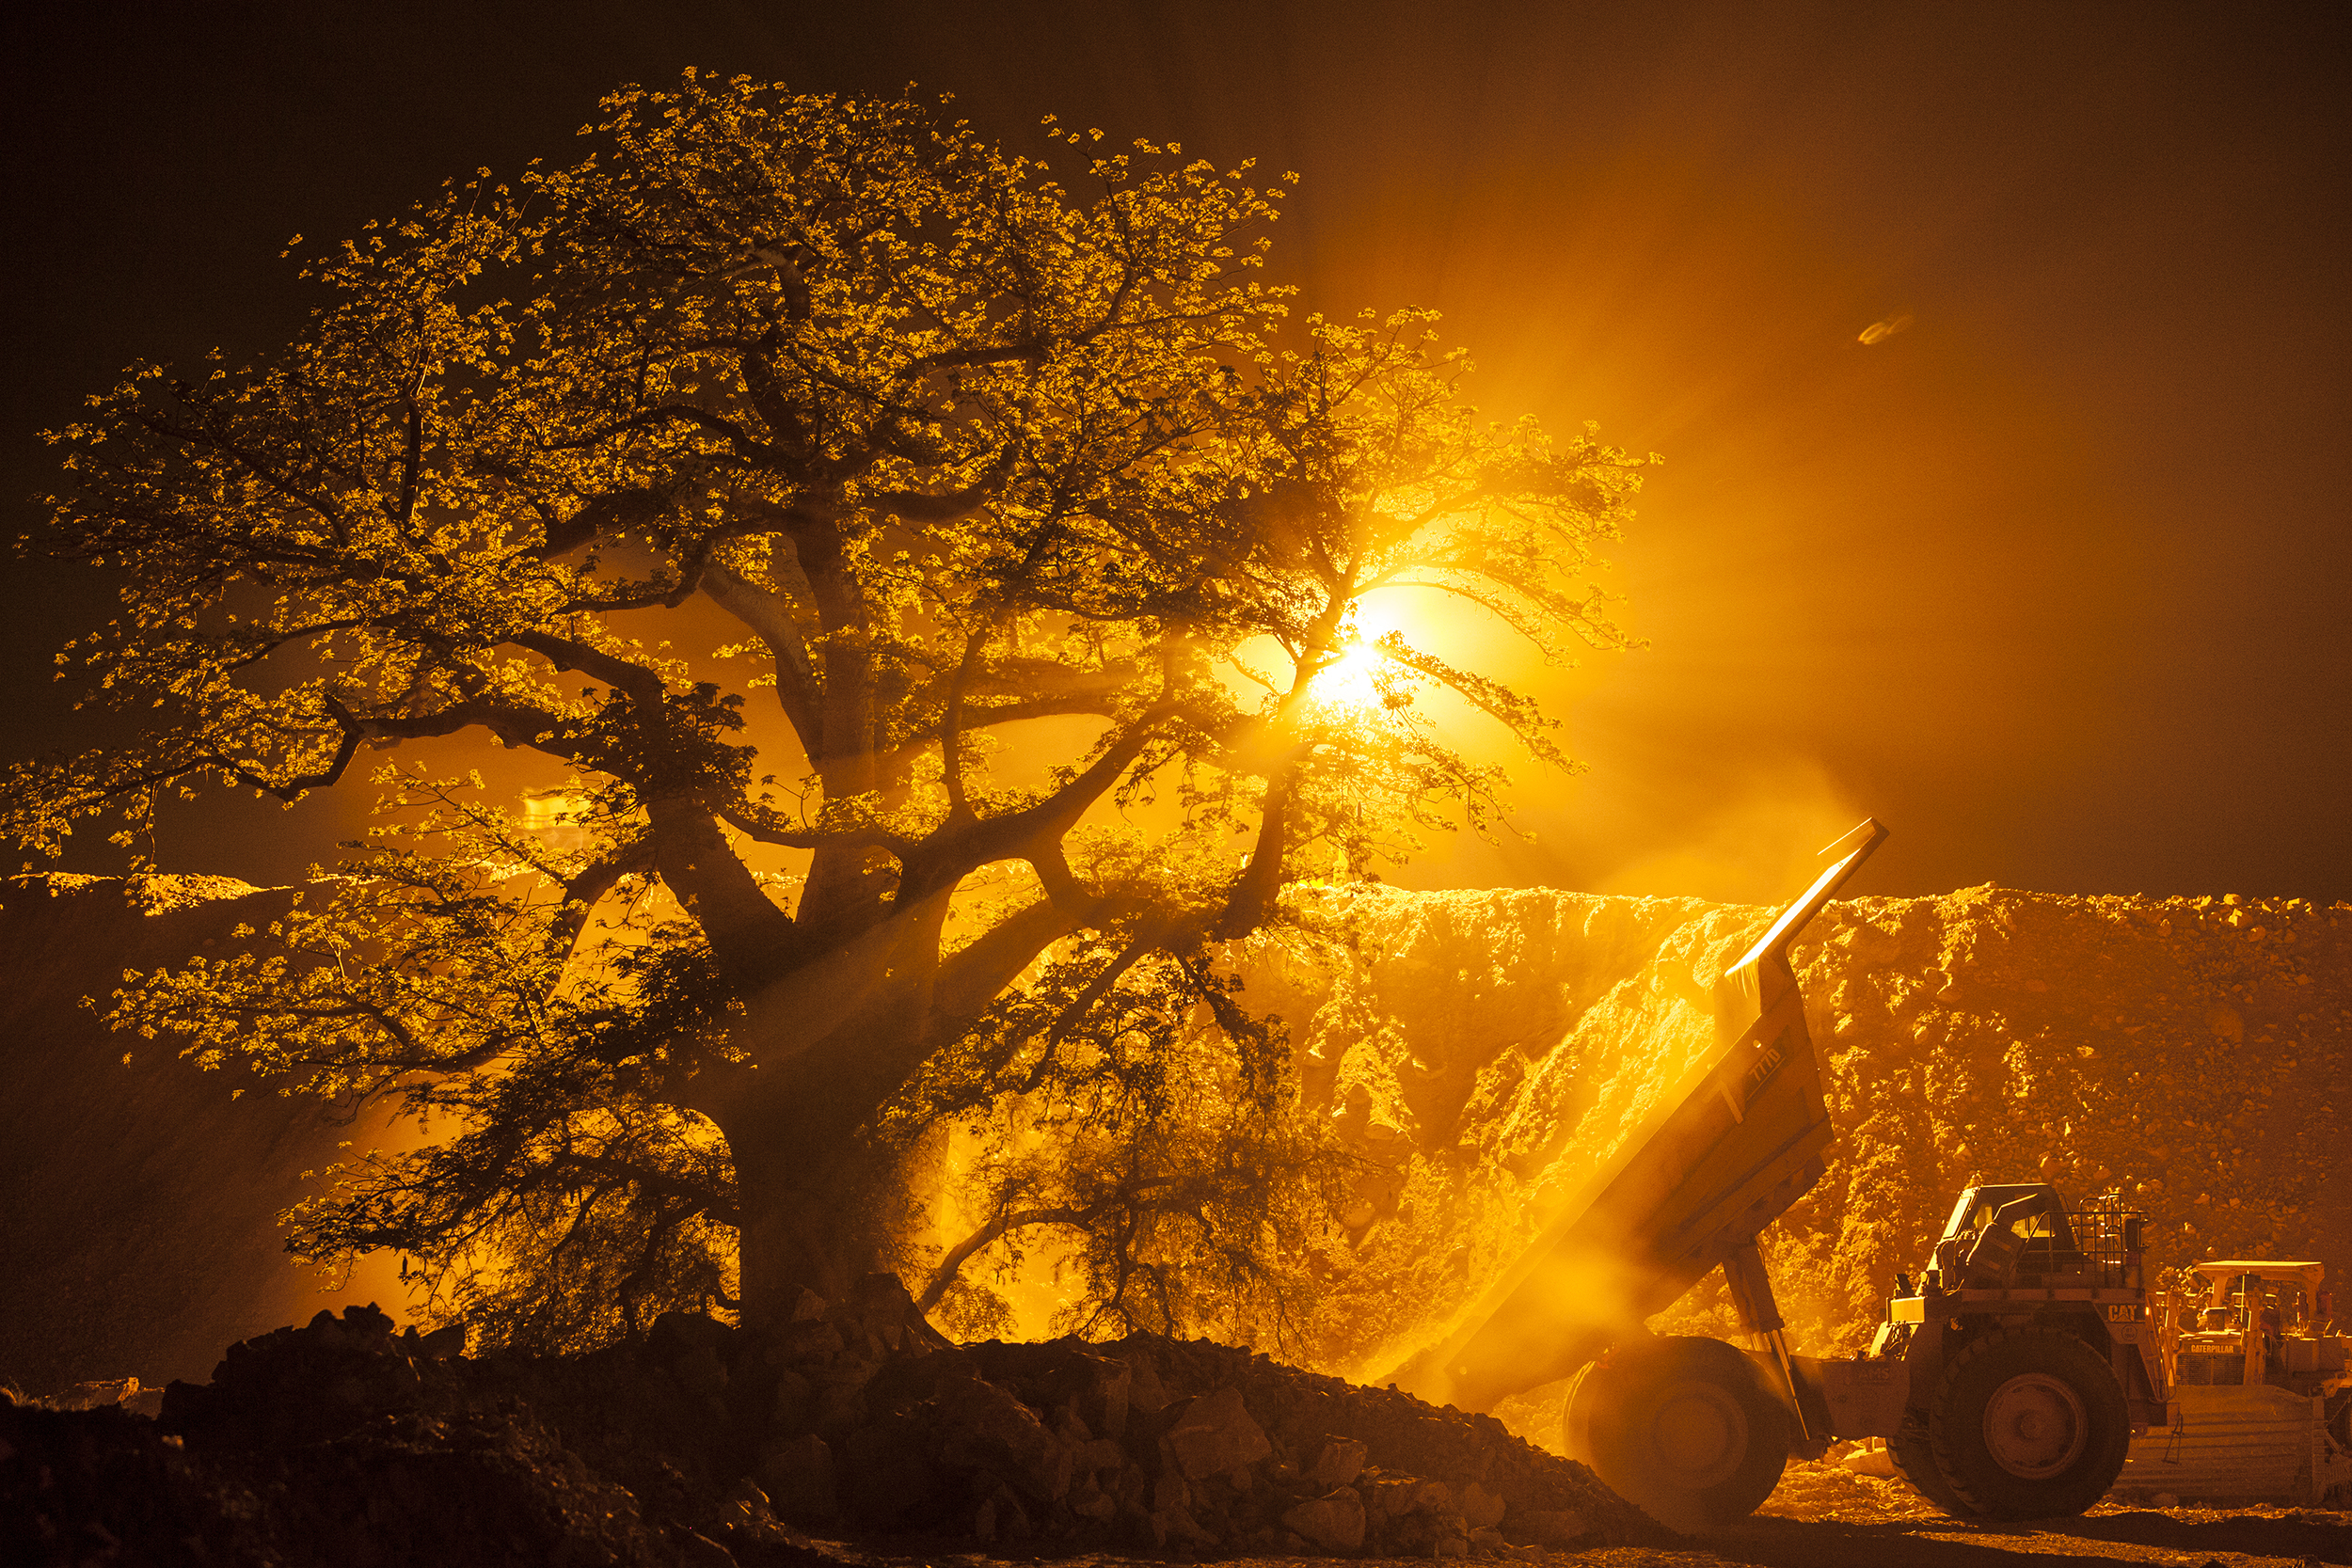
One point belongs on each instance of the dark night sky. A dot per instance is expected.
(2055, 582)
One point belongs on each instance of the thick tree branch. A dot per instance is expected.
(585, 892)
(641, 684)
(747, 932)
(770, 619)
(292, 791)
(987, 1236)
(954, 848)
(765, 826)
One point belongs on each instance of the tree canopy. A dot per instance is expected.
(1016, 525)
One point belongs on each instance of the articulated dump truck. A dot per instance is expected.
(2008, 1382)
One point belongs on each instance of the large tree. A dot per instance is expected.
(1034, 527)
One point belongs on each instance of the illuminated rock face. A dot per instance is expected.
(139, 1231)
(1489, 1047)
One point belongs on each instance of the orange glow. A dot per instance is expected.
(1352, 681)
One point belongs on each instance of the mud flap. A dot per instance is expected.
(1851, 1399)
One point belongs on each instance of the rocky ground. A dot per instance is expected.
(342, 1443)
(855, 1436)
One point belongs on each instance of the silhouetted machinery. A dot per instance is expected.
(2008, 1382)
(2259, 1370)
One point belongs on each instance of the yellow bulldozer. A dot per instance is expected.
(2263, 1394)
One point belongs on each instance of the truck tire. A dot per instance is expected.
(1682, 1428)
(1916, 1459)
(2028, 1423)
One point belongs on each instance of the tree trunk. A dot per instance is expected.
(820, 1203)
(806, 1228)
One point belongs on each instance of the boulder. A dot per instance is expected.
(1339, 1463)
(982, 1427)
(1089, 1501)
(1334, 1523)
(1145, 1391)
(1000, 1514)
(805, 1340)
(1169, 1491)
(369, 1323)
(700, 1372)
(1178, 1526)
(886, 1475)
(794, 1409)
(1094, 1388)
(906, 1380)
(1398, 1496)
(839, 1387)
(1481, 1509)
(746, 1516)
(1215, 1435)
(797, 1475)
(1869, 1462)
(444, 1343)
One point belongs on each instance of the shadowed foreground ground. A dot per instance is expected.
(854, 1438)
(2250, 1538)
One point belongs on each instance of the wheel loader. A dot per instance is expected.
(2008, 1380)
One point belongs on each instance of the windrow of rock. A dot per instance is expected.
(704, 1444)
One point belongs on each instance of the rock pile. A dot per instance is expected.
(866, 1419)
(344, 1443)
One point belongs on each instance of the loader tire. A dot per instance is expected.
(1684, 1428)
(2028, 1423)
(1916, 1459)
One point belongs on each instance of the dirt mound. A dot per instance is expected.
(1486, 1051)
(344, 1443)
